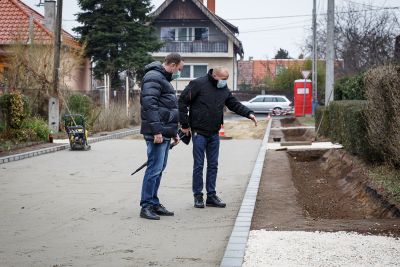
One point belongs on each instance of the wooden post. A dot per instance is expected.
(127, 95)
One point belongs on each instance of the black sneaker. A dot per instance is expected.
(198, 201)
(214, 201)
(147, 213)
(162, 211)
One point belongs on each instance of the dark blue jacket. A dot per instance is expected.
(159, 106)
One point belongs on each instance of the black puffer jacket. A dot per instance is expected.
(159, 106)
(205, 103)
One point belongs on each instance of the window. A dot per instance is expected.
(280, 99)
(184, 34)
(185, 73)
(258, 100)
(192, 71)
(201, 34)
(279, 69)
(199, 70)
(168, 34)
(269, 99)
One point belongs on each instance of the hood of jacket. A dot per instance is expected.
(157, 66)
(211, 78)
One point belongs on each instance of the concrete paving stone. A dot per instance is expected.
(234, 253)
(240, 234)
(232, 262)
(236, 247)
(243, 219)
(241, 228)
(243, 224)
(245, 212)
(238, 240)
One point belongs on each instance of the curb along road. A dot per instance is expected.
(235, 250)
(43, 151)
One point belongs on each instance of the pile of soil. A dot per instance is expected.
(245, 129)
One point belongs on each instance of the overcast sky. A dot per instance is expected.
(261, 37)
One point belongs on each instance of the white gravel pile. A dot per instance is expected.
(269, 248)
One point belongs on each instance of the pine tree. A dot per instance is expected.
(118, 36)
(282, 54)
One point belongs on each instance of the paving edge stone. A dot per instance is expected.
(236, 247)
(43, 151)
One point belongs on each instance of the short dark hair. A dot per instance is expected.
(173, 58)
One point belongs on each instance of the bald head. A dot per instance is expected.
(220, 73)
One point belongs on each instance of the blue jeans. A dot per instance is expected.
(210, 147)
(157, 156)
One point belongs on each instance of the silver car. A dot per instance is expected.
(275, 104)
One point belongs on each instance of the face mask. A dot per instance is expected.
(176, 75)
(221, 83)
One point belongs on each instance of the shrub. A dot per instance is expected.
(344, 122)
(111, 119)
(14, 107)
(350, 88)
(19, 135)
(382, 86)
(80, 104)
(39, 126)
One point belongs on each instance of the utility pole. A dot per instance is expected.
(54, 104)
(330, 53)
(314, 58)
(57, 47)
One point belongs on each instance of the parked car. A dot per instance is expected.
(275, 104)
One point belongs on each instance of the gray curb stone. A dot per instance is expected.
(43, 151)
(236, 248)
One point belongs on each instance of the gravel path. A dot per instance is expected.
(273, 248)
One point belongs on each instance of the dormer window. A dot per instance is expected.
(184, 34)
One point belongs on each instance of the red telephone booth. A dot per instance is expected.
(302, 98)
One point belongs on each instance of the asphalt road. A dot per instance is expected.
(82, 208)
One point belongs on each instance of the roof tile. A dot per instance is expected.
(14, 24)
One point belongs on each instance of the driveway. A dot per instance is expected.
(82, 208)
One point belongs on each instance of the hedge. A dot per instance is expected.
(344, 122)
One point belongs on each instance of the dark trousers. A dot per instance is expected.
(157, 156)
(208, 146)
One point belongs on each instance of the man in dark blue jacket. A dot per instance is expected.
(204, 99)
(160, 117)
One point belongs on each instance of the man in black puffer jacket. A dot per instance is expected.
(204, 99)
(160, 117)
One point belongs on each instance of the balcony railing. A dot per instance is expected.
(195, 47)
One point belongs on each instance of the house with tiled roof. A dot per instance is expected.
(204, 39)
(22, 25)
(253, 72)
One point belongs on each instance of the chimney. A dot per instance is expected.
(211, 5)
(49, 14)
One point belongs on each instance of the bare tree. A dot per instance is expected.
(364, 37)
(30, 70)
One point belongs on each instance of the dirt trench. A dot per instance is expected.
(333, 186)
(319, 190)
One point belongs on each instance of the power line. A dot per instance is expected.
(321, 14)
(362, 4)
(274, 29)
(274, 26)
